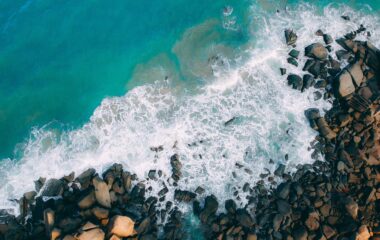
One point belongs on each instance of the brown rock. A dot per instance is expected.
(363, 233)
(312, 222)
(55, 233)
(100, 213)
(328, 231)
(316, 50)
(121, 226)
(87, 201)
(102, 194)
(93, 234)
(49, 216)
(351, 207)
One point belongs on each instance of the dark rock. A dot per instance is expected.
(351, 207)
(319, 32)
(176, 167)
(316, 50)
(294, 53)
(312, 113)
(300, 233)
(230, 206)
(317, 95)
(243, 217)
(347, 18)
(184, 196)
(39, 183)
(283, 71)
(312, 221)
(210, 208)
(308, 81)
(280, 170)
(152, 174)
(277, 222)
(283, 190)
(228, 122)
(342, 54)
(295, 81)
(85, 178)
(199, 190)
(290, 37)
(320, 84)
(283, 207)
(292, 61)
(328, 39)
(53, 187)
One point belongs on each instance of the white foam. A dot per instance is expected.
(122, 129)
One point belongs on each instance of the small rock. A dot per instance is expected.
(363, 233)
(290, 37)
(243, 217)
(312, 222)
(93, 234)
(347, 18)
(292, 61)
(351, 207)
(300, 233)
(283, 71)
(328, 231)
(294, 53)
(328, 39)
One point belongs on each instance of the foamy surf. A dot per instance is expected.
(268, 119)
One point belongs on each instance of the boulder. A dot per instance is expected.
(93, 234)
(308, 81)
(363, 233)
(49, 219)
(295, 81)
(352, 207)
(299, 233)
(283, 71)
(243, 218)
(121, 226)
(290, 37)
(52, 188)
(85, 178)
(324, 129)
(328, 231)
(316, 50)
(348, 80)
(87, 200)
(312, 221)
(100, 213)
(102, 194)
(184, 196)
(210, 208)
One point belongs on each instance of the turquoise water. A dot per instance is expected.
(59, 59)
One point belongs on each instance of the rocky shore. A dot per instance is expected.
(334, 198)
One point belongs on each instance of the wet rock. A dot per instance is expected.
(313, 67)
(39, 183)
(100, 213)
(152, 174)
(342, 54)
(53, 187)
(283, 207)
(121, 226)
(345, 17)
(312, 221)
(176, 167)
(283, 71)
(348, 80)
(102, 194)
(87, 200)
(210, 208)
(299, 233)
(230, 206)
(308, 81)
(199, 190)
(328, 231)
(328, 39)
(317, 95)
(277, 222)
(92, 234)
(363, 233)
(324, 129)
(184, 196)
(319, 32)
(283, 190)
(280, 170)
(127, 180)
(316, 50)
(352, 207)
(243, 218)
(290, 37)
(294, 53)
(292, 61)
(295, 81)
(85, 178)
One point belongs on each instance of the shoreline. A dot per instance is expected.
(338, 198)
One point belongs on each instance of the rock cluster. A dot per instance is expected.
(90, 207)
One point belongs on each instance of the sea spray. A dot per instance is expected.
(268, 119)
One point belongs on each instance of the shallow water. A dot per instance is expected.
(189, 80)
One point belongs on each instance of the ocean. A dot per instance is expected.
(91, 83)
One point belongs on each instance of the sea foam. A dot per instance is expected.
(268, 118)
